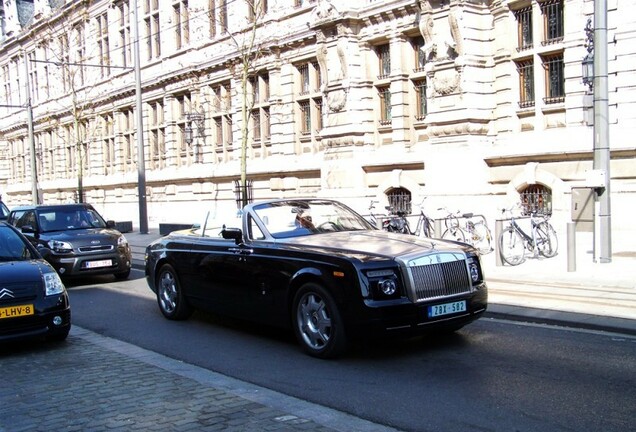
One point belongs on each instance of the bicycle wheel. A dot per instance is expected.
(511, 246)
(546, 240)
(424, 227)
(481, 238)
(454, 233)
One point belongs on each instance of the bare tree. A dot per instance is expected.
(251, 44)
(64, 42)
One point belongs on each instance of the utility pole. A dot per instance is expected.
(34, 169)
(141, 162)
(602, 212)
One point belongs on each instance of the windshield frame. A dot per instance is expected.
(302, 217)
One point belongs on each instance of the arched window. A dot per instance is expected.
(399, 200)
(537, 199)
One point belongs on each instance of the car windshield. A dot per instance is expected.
(65, 219)
(12, 247)
(305, 217)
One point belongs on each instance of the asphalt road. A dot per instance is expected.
(492, 375)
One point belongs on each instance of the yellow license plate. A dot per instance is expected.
(16, 311)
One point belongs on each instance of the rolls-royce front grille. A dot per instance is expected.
(440, 280)
(100, 248)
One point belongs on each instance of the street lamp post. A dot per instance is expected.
(141, 161)
(594, 74)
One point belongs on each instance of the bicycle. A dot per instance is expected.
(474, 232)
(396, 222)
(425, 225)
(514, 241)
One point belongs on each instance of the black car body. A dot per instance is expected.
(320, 268)
(33, 299)
(75, 239)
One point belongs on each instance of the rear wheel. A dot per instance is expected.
(511, 246)
(317, 322)
(170, 297)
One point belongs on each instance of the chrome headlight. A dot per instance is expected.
(383, 284)
(474, 269)
(52, 284)
(60, 246)
(122, 241)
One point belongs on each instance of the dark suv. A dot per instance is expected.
(75, 239)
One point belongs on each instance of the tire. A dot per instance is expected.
(170, 297)
(547, 241)
(454, 233)
(481, 238)
(511, 247)
(122, 275)
(317, 323)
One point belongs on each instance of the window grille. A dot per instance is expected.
(552, 11)
(524, 28)
(385, 105)
(384, 58)
(399, 200)
(536, 199)
(554, 79)
(420, 95)
(526, 83)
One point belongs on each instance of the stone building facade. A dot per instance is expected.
(474, 105)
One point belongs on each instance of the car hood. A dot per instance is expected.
(374, 243)
(84, 236)
(23, 271)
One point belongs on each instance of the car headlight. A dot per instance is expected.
(122, 241)
(384, 284)
(60, 246)
(474, 269)
(52, 284)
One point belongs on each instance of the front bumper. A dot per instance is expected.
(405, 317)
(41, 323)
(119, 261)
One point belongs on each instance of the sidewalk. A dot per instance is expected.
(95, 383)
(594, 296)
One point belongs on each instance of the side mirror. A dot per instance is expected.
(233, 234)
(28, 229)
(110, 224)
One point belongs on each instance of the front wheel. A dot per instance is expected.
(317, 323)
(511, 246)
(547, 242)
(454, 233)
(170, 297)
(481, 238)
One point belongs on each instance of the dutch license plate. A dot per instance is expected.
(16, 311)
(446, 309)
(98, 264)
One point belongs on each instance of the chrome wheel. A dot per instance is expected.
(170, 298)
(317, 322)
(314, 321)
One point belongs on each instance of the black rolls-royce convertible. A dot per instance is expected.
(320, 268)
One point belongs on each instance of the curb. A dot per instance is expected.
(561, 318)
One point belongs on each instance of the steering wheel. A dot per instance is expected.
(328, 226)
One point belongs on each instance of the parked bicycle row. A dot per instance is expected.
(513, 242)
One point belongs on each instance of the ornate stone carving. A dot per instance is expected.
(337, 99)
(445, 84)
(426, 28)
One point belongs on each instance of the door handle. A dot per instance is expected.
(241, 251)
